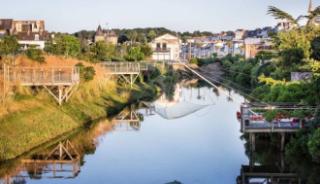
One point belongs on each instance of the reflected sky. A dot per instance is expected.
(203, 147)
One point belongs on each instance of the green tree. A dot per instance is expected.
(151, 35)
(291, 57)
(280, 14)
(102, 51)
(315, 48)
(9, 46)
(135, 54)
(146, 50)
(35, 54)
(133, 35)
(314, 145)
(65, 45)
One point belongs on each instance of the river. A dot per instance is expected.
(192, 138)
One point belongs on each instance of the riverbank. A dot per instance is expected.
(32, 117)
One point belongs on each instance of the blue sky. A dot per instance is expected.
(179, 15)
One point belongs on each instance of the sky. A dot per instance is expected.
(178, 15)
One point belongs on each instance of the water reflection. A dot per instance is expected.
(128, 120)
(182, 103)
(269, 165)
(201, 146)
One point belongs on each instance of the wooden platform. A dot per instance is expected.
(128, 71)
(251, 175)
(60, 82)
(124, 68)
(262, 126)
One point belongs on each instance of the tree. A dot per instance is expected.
(314, 145)
(133, 35)
(146, 50)
(291, 56)
(282, 15)
(151, 35)
(298, 39)
(134, 54)
(279, 14)
(315, 48)
(9, 45)
(101, 51)
(66, 45)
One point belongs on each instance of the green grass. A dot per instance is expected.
(40, 119)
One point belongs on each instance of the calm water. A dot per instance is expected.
(194, 140)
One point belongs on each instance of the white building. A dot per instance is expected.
(166, 48)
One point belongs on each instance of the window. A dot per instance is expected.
(158, 46)
(164, 46)
(36, 37)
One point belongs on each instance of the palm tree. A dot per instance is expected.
(312, 16)
(282, 15)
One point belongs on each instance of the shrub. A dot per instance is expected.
(314, 145)
(35, 54)
(86, 73)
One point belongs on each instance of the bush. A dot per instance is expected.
(314, 145)
(86, 73)
(35, 54)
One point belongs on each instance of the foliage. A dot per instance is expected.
(9, 45)
(101, 51)
(291, 57)
(146, 50)
(35, 54)
(87, 73)
(281, 15)
(314, 145)
(65, 45)
(315, 48)
(294, 39)
(134, 54)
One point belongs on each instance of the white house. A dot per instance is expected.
(166, 48)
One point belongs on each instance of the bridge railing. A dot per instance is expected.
(125, 67)
(34, 76)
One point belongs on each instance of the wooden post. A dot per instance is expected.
(60, 151)
(60, 89)
(283, 139)
(52, 76)
(252, 141)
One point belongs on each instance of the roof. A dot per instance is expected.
(5, 24)
(107, 33)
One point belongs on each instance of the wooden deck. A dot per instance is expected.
(262, 126)
(124, 68)
(127, 71)
(259, 174)
(42, 76)
(60, 82)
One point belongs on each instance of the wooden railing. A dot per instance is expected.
(34, 76)
(124, 67)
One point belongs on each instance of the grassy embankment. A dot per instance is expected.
(31, 118)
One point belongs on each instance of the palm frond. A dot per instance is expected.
(315, 13)
(302, 17)
(279, 14)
